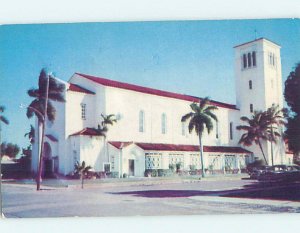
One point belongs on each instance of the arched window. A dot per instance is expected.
(250, 84)
(141, 121)
(254, 58)
(249, 59)
(163, 123)
(244, 61)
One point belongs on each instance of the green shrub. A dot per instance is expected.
(154, 173)
(114, 175)
(172, 167)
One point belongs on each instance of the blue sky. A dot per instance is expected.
(191, 57)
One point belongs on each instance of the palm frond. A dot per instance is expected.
(2, 108)
(51, 112)
(187, 116)
(4, 120)
(33, 93)
(204, 102)
(212, 115)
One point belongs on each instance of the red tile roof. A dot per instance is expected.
(51, 137)
(174, 147)
(77, 88)
(86, 131)
(151, 91)
(120, 145)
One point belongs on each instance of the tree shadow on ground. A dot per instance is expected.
(273, 191)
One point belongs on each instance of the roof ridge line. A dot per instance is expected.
(151, 91)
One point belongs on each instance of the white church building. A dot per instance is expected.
(149, 133)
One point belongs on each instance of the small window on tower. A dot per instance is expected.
(254, 58)
(244, 61)
(251, 107)
(249, 59)
(83, 111)
(250, 84)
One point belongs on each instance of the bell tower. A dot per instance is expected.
(259, 85)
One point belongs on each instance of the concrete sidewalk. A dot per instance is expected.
(112, 182)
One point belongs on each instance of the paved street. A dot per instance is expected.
(148, 198)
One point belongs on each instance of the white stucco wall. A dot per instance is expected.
(127, 104)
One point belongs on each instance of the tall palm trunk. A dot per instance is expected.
(262, 151)
(82, 179)
(38, 183)
(40, 166)
(201, 154)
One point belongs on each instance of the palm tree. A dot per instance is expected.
(5, 121)
(30, 135)
(103, 128)
(81, 170)
(49, 89)
(276, 118)
(108, 120)
(261, 127)
(200, 118)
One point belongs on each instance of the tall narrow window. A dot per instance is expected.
(254, 58)
(250, 84)
(163, 123)
(249, 59)
(183, 132)
(230, 130)
(141, 121)
(251, 107)
(217, 129)
(83, 111)
(244, 61)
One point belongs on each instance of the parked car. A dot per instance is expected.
(256, 171)
(280, 173)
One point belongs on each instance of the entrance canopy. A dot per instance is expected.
(178, 147)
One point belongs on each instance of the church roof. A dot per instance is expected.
(77, 88)
(86, 131)
(151, 91)
(176, 147)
